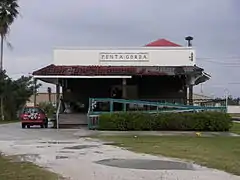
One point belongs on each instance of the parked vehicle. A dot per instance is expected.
(32, 115)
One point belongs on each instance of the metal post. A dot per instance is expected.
(185, 94)
(111, 105)
(1, 71)
(35, 92)
(191, 94)
(189, 39)
(124, 92)
(57, 92)
(124, 88)
(58, 102)
(226, 100)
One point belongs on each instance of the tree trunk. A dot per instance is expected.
(1, 69)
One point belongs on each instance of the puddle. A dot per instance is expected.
(111, 143)
(62, 157)
(80, 147)
(65, 152)
(56, 142)
(98, 152)
(146, 164)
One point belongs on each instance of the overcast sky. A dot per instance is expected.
(215, 25)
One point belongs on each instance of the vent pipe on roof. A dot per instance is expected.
(189, 39)
(190, 95)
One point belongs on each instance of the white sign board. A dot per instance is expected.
(123, 57)
(143, 56)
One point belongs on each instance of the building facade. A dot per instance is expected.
(160, 71)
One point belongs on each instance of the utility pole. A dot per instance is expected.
(1, 73)
(189, 39)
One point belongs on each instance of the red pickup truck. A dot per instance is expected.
(31, 116)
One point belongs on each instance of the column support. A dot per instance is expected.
(124, 88)
(185, 91)
(190, 82)
(57, 93)
(190, 95)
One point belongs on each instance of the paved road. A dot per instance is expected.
(84, 158)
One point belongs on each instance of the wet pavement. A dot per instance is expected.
(80, 158)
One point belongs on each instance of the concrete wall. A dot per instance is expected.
(143, 56)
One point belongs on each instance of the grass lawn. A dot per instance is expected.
(216, 152)
(10, 170)
(236, 128)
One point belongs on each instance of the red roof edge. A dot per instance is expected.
(39, 71)
(162, 43)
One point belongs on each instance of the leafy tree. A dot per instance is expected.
(16, 93)
(8, 13)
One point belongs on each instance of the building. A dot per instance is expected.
(159, 71)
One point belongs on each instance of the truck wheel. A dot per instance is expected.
(42, 126)
(28, 126)
(23, 126)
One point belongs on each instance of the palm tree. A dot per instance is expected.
(8, 13)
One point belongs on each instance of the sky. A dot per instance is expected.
(214, 24)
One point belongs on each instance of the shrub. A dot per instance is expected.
(48, 108)
(134, 121)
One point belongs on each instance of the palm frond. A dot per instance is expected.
(8, 13)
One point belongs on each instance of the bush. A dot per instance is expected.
(48, 108)
(136, 121)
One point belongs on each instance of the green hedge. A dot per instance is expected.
(136, 121)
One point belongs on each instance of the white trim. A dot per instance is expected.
(76, 77)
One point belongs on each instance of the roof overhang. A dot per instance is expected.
(202, 78)
(55, 70)
(51, 73)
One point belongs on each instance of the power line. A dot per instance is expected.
(234, 60)
(226, 64)
(229, 57)
(220, 62)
